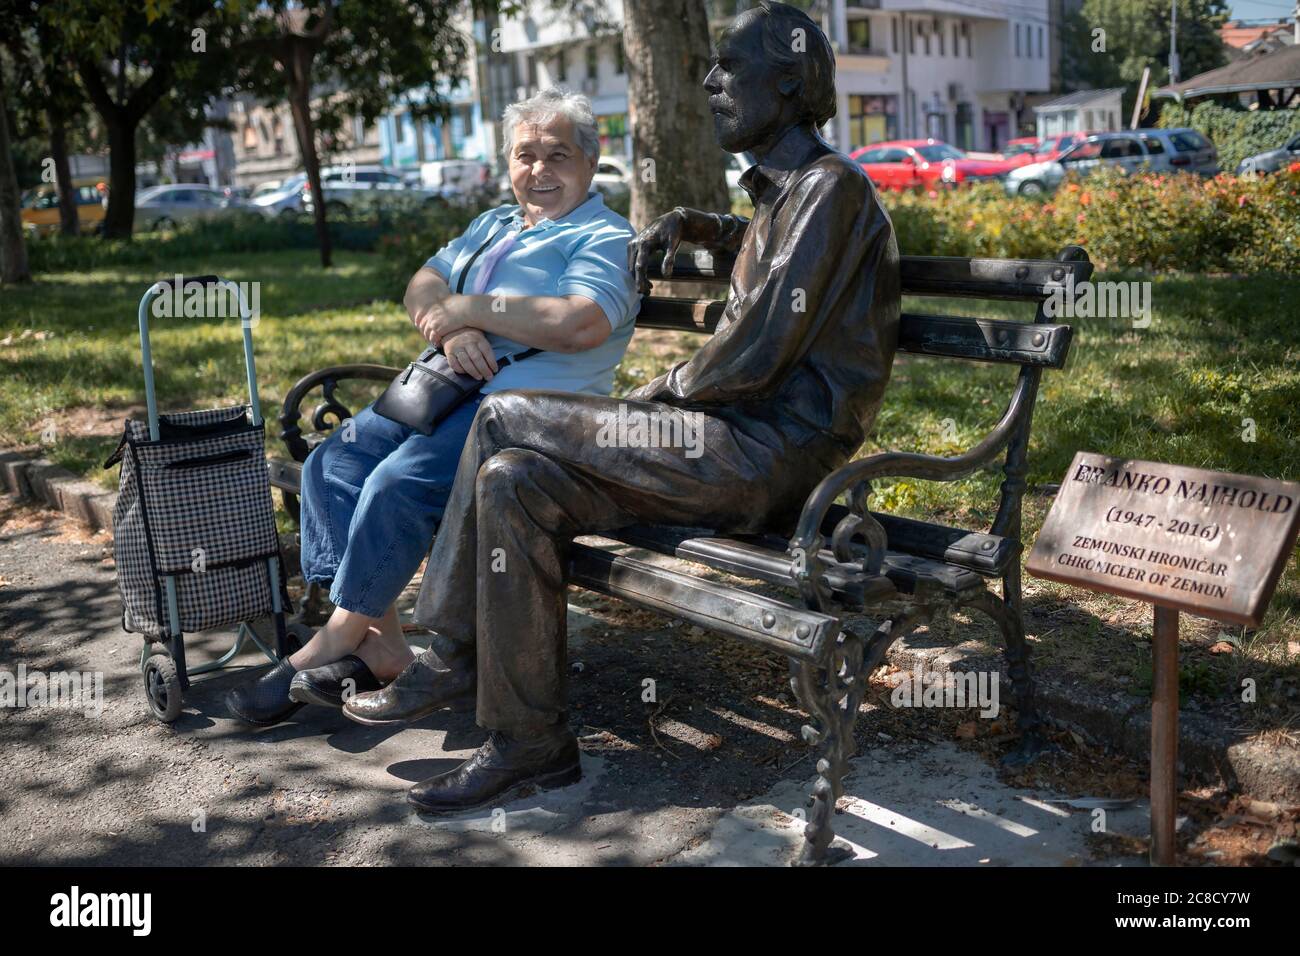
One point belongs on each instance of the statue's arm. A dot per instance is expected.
(717, 232)
(713, 231)
(829, 230)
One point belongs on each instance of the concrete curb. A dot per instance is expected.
(1117, 719)
(24, 476)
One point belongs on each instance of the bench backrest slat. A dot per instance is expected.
(982, 340)
(985, 340)
(1020, 279)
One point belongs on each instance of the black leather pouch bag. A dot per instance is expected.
(429, 390)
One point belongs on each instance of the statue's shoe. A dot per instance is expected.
(265, 701)
(427, 685)
(330, 685)
(499, 770)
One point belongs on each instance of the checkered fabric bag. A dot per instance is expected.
(195, 504)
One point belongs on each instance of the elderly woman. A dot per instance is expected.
(548, 273)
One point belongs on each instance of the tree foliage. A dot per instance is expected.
(1237, 133)
(1134, 35)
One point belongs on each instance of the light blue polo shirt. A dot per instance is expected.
(583, 253)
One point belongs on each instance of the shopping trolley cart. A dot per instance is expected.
(194, 525)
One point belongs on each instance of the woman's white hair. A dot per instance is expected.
(543, 107)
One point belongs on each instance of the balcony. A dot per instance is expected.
(990, 10)
(863, 58)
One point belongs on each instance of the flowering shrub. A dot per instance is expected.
(1155, 222)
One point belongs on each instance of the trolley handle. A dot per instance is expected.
(183, 281)
(178, 284)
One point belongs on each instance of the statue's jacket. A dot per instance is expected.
(801, 356)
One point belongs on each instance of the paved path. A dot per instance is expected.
(123, 789)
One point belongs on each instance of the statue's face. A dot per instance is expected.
(743, 86)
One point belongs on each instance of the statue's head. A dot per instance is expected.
(774, 68)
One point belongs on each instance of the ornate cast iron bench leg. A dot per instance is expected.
(1009, 622)
(832, 694)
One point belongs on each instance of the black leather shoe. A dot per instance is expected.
(330, 684)
(428, 684)
(499, 770)
(264, 701)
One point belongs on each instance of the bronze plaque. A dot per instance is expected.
(1207, 542)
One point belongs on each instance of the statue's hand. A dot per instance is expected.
(664, 235)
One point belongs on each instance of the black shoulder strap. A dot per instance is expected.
(460, 284)
(526, 353)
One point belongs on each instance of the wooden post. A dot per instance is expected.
(1164, 735)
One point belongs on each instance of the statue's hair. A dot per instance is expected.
(814, 66)
(544, 106)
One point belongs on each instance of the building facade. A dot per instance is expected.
(544, 48)
(265, 145)
(964, 71)
(1085, 111)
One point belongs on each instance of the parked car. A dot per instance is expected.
(1272, 160)
(469, 178)
(39, 207)
(345, 185)
(735, 165)
(1051, 147)
(1024, 144)
(266, 188)
(1181, 149)
(1157, 150)
(163, 207)
(283, 199)
(613, 177)
(924, 164)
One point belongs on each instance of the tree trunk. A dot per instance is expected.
(298, 67)
(68, 223)
(13, 251)
(119, 218)
(667, 46)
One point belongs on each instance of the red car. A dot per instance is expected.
(1022, 151)
(1054, 146)
(924, 164)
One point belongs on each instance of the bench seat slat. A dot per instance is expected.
(753, 617)
(760, 558)
(763, 558)
(986, 554)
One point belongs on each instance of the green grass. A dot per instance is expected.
(309, 318)
(1219, 350)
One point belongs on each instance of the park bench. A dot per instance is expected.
(843, 557)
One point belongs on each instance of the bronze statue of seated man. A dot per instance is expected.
(781, 395)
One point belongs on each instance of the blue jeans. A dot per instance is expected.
(370, 505)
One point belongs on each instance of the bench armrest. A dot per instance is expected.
(855, 478)
(327, 379)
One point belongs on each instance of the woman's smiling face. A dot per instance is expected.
(549, 173)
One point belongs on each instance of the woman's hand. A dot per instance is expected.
(438, 320)
(468, 353)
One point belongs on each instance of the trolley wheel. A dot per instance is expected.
(162, 687)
